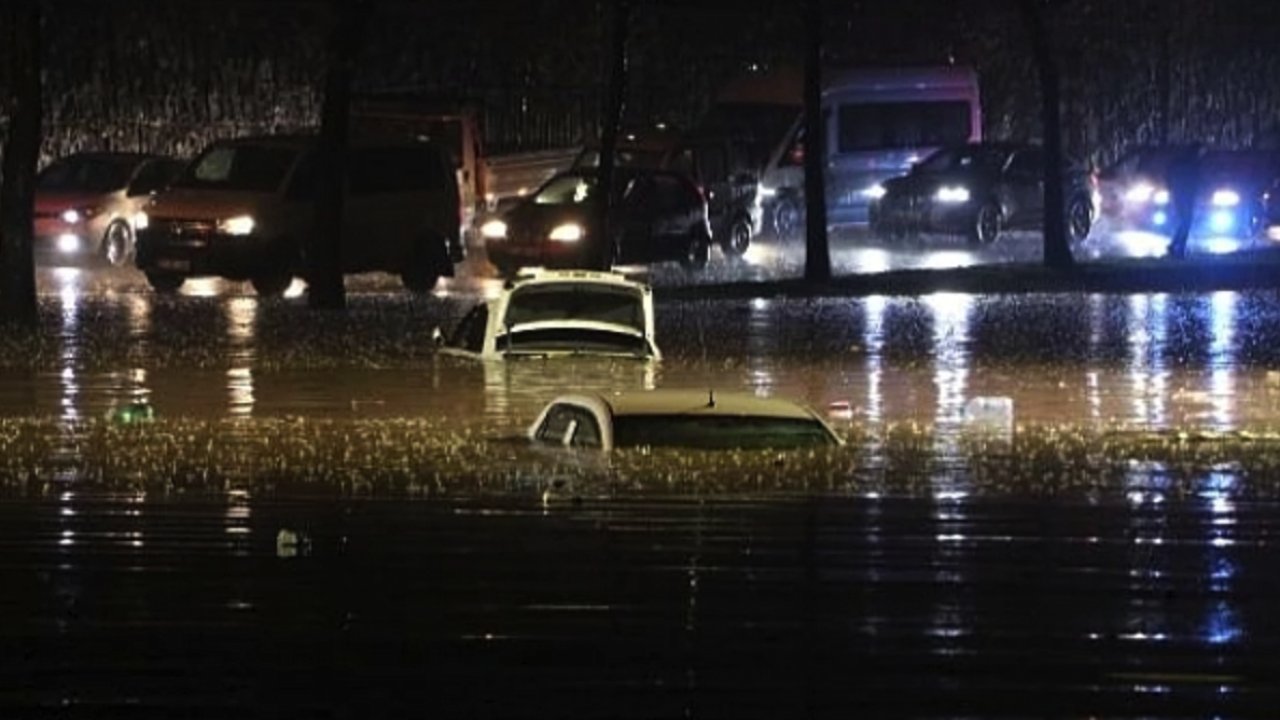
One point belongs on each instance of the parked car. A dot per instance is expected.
(1237, 190)
(1136, 185)
(659, 216)
(85, 203)
(244, 209)
(979, 190)
(726, 169)
(704, 420)
(559, 313)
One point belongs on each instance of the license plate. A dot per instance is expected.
(175, 265)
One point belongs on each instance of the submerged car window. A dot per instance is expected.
(712, 432)
(576, 301)
(891, 126)
(469, 335)
(86, 174)
(572, 340)
(566, 190)
(239, 167)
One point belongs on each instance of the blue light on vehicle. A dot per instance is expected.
(1160, 219)
(1222, 221)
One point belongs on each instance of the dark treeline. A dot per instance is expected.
(169, 76)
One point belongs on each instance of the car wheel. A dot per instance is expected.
(738, 238)
(787, 217)
(987, 224)
(117, 244)
(1079, 219)
(421, 282)
(271, 284)
(165, 283)
(697, 255)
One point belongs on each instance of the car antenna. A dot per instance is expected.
(711, 397)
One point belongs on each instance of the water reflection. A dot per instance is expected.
(241, 318)
(873, 343)
(1148, 373)
(1222, 359)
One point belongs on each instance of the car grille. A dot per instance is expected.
(185, 227)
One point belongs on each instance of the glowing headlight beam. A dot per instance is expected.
(1226, 198)
(952, 195)
(568, 232)
(238, 225)
(71, 216)
(493, 230)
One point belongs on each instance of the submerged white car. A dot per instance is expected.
(705, 420)
(560, 313)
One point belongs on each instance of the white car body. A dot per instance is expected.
(567, 420)
(498, 313)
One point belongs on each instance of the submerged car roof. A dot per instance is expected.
(704, 402)
(540, 276)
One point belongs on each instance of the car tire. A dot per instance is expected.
(421, 282)
(1079, 219)
(788, 216)
(117, 244)
(697, 254)
(987, 224)
(737, 238)
(271, 284)
(165, 283)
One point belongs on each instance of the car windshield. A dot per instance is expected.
(964, 158)
(86, 174)
(566, 190)
(576, 301)
(246, 168)
(572, 340)
(712, 432)
(649, 159)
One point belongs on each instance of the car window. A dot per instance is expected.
(669, 193)
(85, 173)
(901, 125)
(153, 176)
(247, 168)
(1027, 163)
(567, 424)
(565, 190)
(715, 432)
(376, 171)
(576, 301)
(586, 431)
(470, 332)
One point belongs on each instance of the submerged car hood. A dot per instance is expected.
(200, 203)
(626, 331)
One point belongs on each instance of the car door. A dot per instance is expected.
(672, 216)
(1024, 183)
(639, 205)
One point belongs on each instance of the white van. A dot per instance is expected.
(879, 122)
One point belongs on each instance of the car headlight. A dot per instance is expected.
(568, 232)
(1226, 198)
(493, 230)
(140, 220)
(238, 225)
(1139, 193)
(875, 192)
(953, 195)
(1160, 197)
(72, 216)
(764, 191)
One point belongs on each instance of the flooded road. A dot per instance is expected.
(915, 575)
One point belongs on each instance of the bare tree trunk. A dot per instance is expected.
(817, 253)
(22, 152)
(1057, 248)
(610, 124)
(323, 251)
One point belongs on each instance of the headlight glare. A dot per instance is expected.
(1226, 198)
(952, 194)
(238, 225)
(140, 221)
(71, 216)
(493, 230)
(875, 192)
(1139, 193)
(568, 233)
